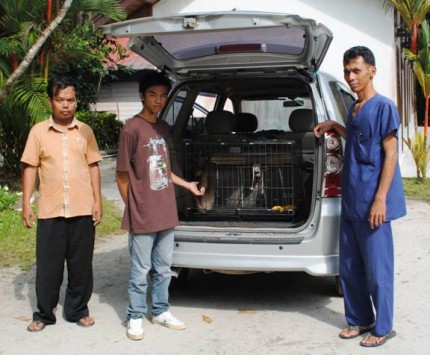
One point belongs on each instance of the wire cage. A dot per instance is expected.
(245, 180)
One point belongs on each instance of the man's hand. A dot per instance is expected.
(193, 187)
(27, 216)
(97, 214)
(377, 213)
(29, 174)
(321, 128)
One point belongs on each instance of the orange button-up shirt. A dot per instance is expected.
(63, 156)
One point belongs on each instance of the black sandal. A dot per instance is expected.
(384, 338)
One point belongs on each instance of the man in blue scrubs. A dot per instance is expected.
(372, 196)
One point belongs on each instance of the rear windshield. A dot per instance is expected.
(188, 45)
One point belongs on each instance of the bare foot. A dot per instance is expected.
(36, 326)
(86, 321)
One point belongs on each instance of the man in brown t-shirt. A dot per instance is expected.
(63, 152)
(145, 183)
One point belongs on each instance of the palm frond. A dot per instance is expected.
(29, 32)
(422, 8)
(31, 94)
(9, 46)
(15, 12)
(423, 40)
(109, 8)
(5, 70)
(409, 10)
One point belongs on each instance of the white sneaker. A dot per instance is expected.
(169, 321)
(135, 329)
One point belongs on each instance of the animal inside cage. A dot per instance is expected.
(245, 180)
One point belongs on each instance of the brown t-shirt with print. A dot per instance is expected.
(144, 154)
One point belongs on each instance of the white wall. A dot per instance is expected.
(353, 22)
(121, 98)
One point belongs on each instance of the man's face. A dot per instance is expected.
(358, 74)
(154, 98)
(64, 104)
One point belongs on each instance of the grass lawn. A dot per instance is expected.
(17, 244)
(417, 190)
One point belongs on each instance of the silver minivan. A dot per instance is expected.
(247, 94)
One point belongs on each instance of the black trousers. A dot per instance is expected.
(60, 240)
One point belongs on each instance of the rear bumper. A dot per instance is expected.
(313, 265)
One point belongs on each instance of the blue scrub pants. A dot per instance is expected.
(367, 274)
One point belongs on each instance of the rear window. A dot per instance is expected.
(271, 113)
(188, 45)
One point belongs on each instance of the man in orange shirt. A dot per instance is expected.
(63, 152)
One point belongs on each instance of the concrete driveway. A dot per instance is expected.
(279, 313)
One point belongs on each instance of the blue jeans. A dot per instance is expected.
(149, 251)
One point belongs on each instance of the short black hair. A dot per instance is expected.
(60, 83)
(359, 51)
(152, 77)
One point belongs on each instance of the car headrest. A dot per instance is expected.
(301, 120)
(245, 122)
(220, 122)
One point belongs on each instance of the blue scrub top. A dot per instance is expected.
(364, 157)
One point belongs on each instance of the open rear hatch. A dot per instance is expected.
(189, 44)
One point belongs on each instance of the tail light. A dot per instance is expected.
(333, 165)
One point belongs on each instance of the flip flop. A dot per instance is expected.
(355, 328)
(384, 338)
(86, 322)
(36, 326)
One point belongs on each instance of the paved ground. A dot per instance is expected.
(281, 313)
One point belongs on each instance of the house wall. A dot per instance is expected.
(121, 98)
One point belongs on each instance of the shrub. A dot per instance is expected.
(8, 199)
(105, 126)
(421, 153)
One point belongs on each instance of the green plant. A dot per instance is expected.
(421, 153)
(105, 126)
(421, 68)
(88, 58)
(7, 198)
(413, 12)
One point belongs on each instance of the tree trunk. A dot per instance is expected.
(48, 10)
(414, 36)
(426, 120)
(14, 61)
(34, 50)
